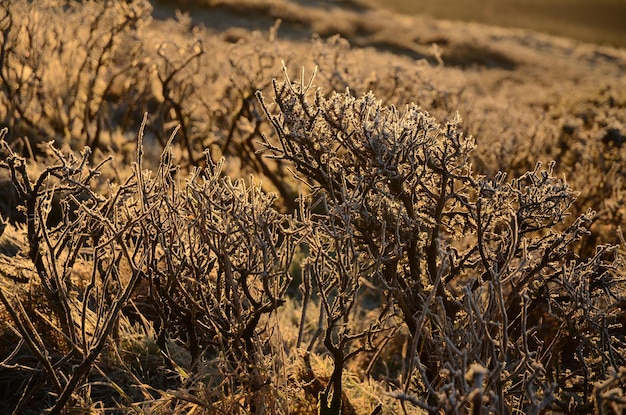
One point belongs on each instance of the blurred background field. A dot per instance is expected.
(597, 21)
(601, 22)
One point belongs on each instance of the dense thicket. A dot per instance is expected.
(209, 232)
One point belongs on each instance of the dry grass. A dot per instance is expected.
(194, 257)
(598, 22)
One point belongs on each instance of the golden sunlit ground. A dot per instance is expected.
(599, 21)
(185, 276)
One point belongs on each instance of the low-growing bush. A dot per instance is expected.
(501, 312)
(501, 315)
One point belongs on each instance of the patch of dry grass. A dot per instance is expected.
(596, 22)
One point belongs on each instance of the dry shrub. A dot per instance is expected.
(503, 314)
(214, 256)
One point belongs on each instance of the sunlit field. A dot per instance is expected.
(599, 22)
(301, 207)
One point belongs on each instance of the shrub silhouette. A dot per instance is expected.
(214, 254)
(499, 309)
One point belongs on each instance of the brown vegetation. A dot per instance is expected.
(215, 229)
